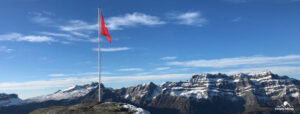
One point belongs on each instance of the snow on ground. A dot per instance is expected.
(138, 110)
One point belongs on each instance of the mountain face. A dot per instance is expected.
(70, 93)
(9, 99)
(218, 93)
(205, 93)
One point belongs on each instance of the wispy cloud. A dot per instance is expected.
(44, 84)
(44, 58)
(78, 28)
(94, 40)
(238, 61)
(112, 49)
(75, 25)
(29, 38)
(133, 19)
(56, 34)
(190, 18)
(162, 68)
(33, 38)
(238, 1)
(82, 28)
(237, 19)
(78, 74)
(41, 17)
(5, 49)
(56, 75)
(169, 58)
(246, 1)
(67, 37)
(63, 82)
(131, 69)
(282, 70)
(72, 30)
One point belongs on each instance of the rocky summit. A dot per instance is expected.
(205, 93)
(103, 108)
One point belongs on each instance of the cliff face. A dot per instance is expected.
(218, 93)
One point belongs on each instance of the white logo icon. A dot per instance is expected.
(285, 107)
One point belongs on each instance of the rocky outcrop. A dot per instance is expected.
(103, 108)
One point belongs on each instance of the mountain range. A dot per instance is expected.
(204, 93)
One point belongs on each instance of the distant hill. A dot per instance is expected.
(9, 99)
(206, 93)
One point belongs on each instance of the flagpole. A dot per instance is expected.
(99, 60)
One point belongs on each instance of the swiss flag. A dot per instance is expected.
(104, 30)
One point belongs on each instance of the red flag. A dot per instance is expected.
(104, 30)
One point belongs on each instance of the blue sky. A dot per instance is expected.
(46, 45)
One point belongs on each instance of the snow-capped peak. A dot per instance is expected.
(72, 92)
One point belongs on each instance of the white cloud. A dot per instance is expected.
(56, 34)
(112, 49)
(162, 68)
(56, 75)
(238, 61)
(79, 28)
(30, 38)
(76, 25)
(44, 84)
(169, 58)
(131, 69)
(79, 74)
(134, 19)
(5, 49)
(190, 18)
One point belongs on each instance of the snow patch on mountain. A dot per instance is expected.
(136, 109)
(204, 86)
